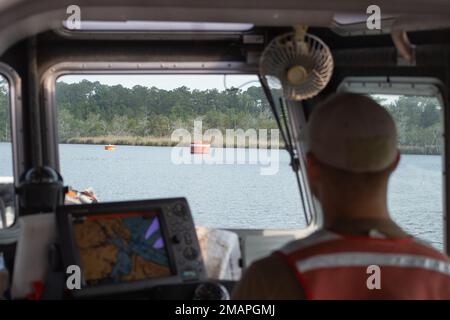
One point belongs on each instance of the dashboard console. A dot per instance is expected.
(133, 246)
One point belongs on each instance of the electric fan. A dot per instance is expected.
(298, 63)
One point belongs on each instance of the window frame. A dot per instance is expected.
(10, 234)
(15, 109)
(55, 71)
(418, 86)
(51, 75)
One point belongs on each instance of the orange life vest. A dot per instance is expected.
(333, 266)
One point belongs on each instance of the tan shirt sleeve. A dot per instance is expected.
(269, 279)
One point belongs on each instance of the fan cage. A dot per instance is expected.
(289, 50)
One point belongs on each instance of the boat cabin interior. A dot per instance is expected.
(65, 67)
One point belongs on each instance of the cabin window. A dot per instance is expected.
(416, 187)
(207, 137)
(6, 165)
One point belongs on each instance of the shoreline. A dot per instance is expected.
(158, 142)
(166, 142)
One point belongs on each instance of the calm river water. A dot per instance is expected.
(237, 195)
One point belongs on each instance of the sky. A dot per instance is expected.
(172, 81)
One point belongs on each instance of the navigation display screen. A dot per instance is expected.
(120, 247)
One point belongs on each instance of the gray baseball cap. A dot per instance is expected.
(352, 132)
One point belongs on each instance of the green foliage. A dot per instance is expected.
(91, 109)
(419, 122)
(5, 132)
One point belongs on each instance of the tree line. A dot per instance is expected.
(94, 109)
(5, 131)
(91, 109)
(419, 123)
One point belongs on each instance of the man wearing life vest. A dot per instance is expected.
(360, 253)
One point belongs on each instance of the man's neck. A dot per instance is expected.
(337, 208)
(367, 227)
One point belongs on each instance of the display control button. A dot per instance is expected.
(190, 253)
(176, 239)
(188, 238)
(178, 210)
(189, 274)
(176, 228)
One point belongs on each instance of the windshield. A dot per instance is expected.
(209, 138)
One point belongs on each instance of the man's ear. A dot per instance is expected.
(313, 171)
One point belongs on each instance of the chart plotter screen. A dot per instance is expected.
(120, 247)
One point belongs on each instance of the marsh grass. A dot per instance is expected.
(162, 142)
(249, 143)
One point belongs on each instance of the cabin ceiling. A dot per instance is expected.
(20, 19)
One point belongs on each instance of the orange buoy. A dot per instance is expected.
(71, 193)
(110, 147)
(199, 147)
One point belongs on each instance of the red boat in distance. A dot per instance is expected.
(199, 147)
